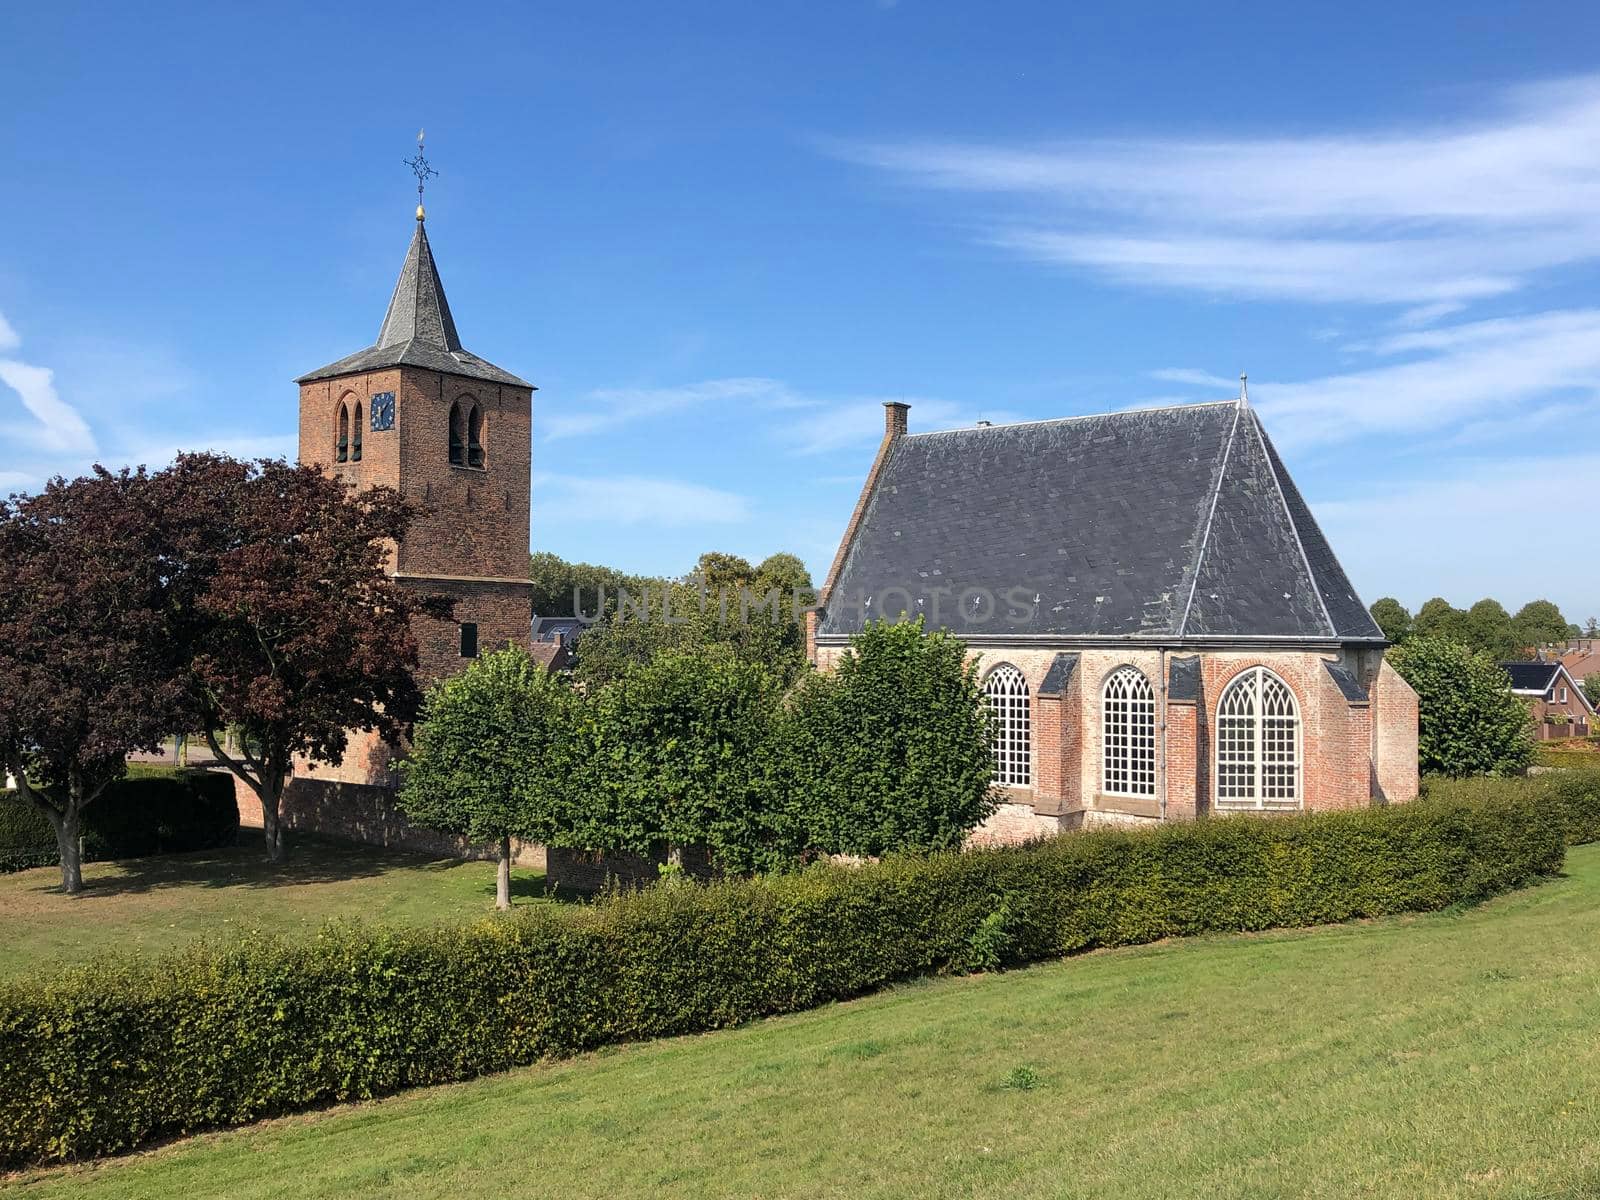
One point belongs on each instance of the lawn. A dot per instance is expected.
(155, 903)
(1445, 1055)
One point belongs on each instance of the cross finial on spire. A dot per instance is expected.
(1244, 391)
(420, 168)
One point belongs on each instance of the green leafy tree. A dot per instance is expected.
(493, 758)
(1538, 623)
(676, 748)
(720, 570)
(1591, 627)
(1469, 721)
(1591, 689)
(1439, 618)
(891, 752)
(784, 572)
(562, 588)
(1392, 618)
(757, 626)
(1487, 627)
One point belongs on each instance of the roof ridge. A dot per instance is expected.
(1119, 412)
(1299, 544)
(1211, 512)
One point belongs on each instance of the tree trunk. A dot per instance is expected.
(502, 876)
(69, 830)
(271, 826)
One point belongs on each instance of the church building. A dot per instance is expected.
(453, 432)
(1159, 626)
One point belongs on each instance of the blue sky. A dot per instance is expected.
(717, 236)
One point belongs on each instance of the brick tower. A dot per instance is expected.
(451, 432)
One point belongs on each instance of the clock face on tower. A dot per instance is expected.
(382, 410)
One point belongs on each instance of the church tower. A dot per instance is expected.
(452, 433)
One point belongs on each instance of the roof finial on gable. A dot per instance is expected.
(420, 168)
(1244, 392)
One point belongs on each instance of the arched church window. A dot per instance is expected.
(1128, 734)
(458, 437)
(475, 437)
(355, 436)
(1006, 692)
(1258, 743)
(342, 445)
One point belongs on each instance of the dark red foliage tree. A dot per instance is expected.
(293, 634)
(87, 666)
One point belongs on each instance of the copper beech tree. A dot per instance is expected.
(87, 669)
(291, 632)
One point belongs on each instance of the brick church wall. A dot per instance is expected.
(1349, 750)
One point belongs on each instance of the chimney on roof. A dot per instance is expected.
(895, 419)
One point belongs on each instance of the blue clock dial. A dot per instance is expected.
(382, 410)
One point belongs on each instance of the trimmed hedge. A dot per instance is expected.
(103, 1057)
(149, 812)
(1569, 798)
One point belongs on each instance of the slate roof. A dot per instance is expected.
(418, 330)
(1163, 524)
(1531, 676)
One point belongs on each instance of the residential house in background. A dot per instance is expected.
(1556, 699)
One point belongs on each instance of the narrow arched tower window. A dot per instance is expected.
(355, 436)
(342, 443)
(1128, 734)
(1007, 694)
(475, 437)
(1258, 743)
(458, 440)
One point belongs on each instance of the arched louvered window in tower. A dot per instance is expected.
(1007, 694)
(1128, 734)
(355, 436)
(342, 442)
(475, 437)
(1258, 743)
(458, 436)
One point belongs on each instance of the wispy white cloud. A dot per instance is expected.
(634, 500)
(57, 427)
(1452, 375)
(1422, 216)
(609, 407)
(1195, 378)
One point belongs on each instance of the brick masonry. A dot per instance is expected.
(1351, 752)
(470, 544)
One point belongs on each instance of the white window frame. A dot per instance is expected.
(1005, 690)
(1252, 749)
(1127, 734)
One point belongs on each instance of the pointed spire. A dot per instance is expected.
(418, 310)
(1244, 391)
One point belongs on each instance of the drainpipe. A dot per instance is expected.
(1161, 758)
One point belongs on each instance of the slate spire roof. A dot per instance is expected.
(418, 330)
(1170, 524)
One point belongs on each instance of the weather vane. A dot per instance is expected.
(420, 168)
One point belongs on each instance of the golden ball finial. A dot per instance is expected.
(421, 216)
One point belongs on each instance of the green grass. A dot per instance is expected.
(1451, 1055)
(157, 903)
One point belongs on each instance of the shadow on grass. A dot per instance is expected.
(308, 860)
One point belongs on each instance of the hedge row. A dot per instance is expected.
(107, 1056)
(160, 811)
(1571, 799)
